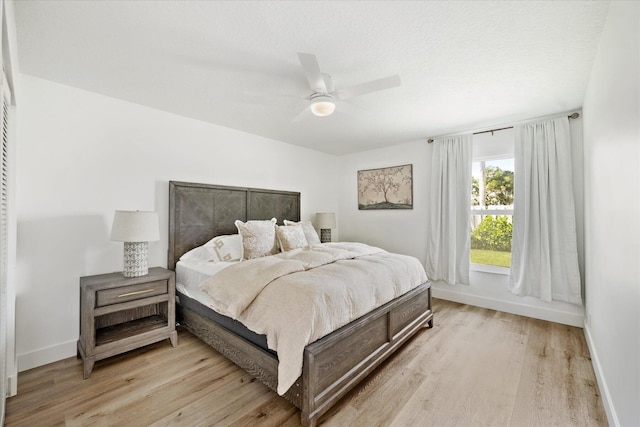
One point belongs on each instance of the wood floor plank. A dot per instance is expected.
(474, 367)
(136, 388)
(556, 380)
(222, 404)
(274, 412)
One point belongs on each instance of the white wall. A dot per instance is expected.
(82, 155)
(612, 205)
(399, 230)
(404, 231)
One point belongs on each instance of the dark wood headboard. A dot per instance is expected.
(199, 212)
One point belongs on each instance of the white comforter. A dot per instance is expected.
(297, 297)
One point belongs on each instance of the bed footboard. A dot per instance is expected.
(338, 362)
(332, 365)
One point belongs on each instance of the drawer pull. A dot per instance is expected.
(134, 293)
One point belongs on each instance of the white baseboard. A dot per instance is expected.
(550, 314)
(602, 383)
(47, 355)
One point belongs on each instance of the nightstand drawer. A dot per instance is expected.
(130, 293)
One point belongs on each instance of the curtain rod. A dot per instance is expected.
(571, 116)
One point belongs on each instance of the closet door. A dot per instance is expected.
(5, 96)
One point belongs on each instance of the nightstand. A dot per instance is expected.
(119, 314)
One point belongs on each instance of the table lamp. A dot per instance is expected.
(325, 222)
(136, 229)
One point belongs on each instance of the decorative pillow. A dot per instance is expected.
(199, 254)
(309, 231)
(291, 237)
(226, 248)
(258, 238)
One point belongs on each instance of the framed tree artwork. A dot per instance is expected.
(386, 188)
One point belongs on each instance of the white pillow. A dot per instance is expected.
(258, 238)
(309, 231)
(199, 254)
(291, 237)
(226, 248)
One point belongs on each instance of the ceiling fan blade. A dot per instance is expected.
(351, 110)
(372, 86)
(312, 72)
(302, 115)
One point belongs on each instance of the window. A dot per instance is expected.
(492, 202)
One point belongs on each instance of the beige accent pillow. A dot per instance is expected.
(291, 237)
(309, 231)
(258, 238)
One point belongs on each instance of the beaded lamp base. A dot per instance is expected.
(325, 235)
(135, 259)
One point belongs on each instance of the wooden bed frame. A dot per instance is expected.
(332, 365)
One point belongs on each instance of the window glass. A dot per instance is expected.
(492, 209)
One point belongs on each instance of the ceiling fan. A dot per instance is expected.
(322, 101)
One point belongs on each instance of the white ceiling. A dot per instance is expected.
(463, 65)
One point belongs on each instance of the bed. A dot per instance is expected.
(333, 364)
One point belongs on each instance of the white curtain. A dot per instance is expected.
(544, 260)
(448, 216)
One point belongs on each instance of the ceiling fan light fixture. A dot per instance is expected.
(322, 105)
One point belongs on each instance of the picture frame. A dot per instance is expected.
(386, 188)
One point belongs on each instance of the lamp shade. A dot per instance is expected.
(326, 220)
(135, 226)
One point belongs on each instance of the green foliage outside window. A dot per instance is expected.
(491, 239)
(498, 187)
(493, 233)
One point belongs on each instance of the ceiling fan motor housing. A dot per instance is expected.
(322, 104)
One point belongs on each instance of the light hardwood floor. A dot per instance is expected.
(476, 367)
